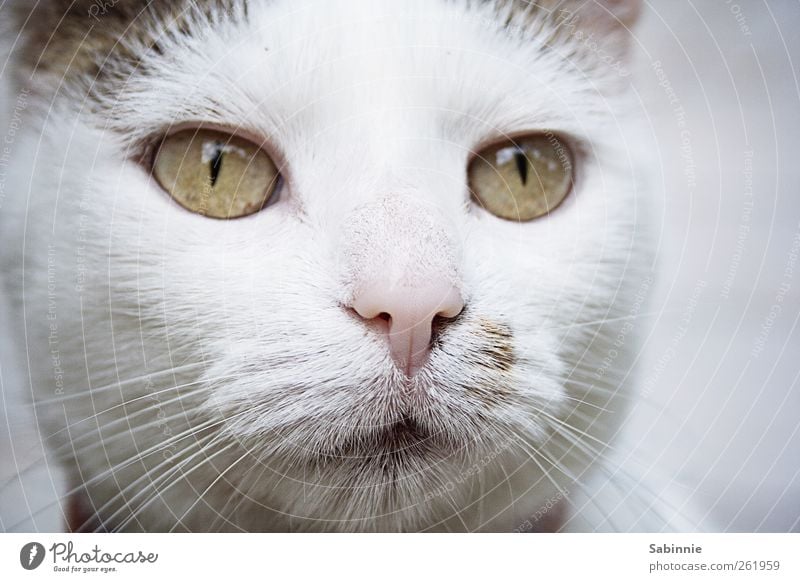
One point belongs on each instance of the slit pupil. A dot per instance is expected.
(216, 164)
(522, 165)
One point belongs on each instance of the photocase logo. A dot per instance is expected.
(31, 555)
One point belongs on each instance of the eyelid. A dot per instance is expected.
(576, 145)
(144, 153)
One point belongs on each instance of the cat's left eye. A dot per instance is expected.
(215, 174)
(523, 178)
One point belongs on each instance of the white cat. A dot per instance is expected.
(329, 265)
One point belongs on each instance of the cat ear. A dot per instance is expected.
(607, 15)
(600, 25)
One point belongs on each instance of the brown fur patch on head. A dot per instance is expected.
(88, 38)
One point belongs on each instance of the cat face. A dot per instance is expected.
(373, 327)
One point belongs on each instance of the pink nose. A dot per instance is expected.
(410, 314)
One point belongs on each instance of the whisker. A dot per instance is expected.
(156, 493)
(207, 489)
(98, 512)
(119, 384)
(157, 404)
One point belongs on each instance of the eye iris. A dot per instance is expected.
(215, 174)
(522, 179)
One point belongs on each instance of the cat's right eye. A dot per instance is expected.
(215, 174)
(523, 178)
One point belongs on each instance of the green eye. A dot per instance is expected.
(215, 174)
(522, 179)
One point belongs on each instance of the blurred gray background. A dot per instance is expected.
(722, 359)
(720, 365)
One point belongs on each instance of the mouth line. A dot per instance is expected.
(403, 437)
(404, 430)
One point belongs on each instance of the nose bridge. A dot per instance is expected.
(402, 241)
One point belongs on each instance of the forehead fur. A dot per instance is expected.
(91, 36)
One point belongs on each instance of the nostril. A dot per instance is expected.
(440, 323)
(441, 320)
(452, 312)
(411, 317)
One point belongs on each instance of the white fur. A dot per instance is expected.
(238, 325)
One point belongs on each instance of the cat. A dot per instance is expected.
(329, 265)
